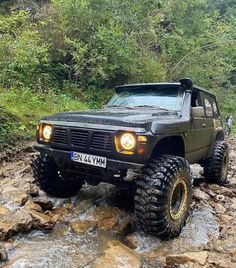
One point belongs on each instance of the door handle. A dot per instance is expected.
(203, 125)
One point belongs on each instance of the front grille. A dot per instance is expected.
(82, 139)
(101, 141)
(79, 138)
(60, 136)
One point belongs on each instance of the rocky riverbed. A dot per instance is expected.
(97, 228)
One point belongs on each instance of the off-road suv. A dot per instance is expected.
(146, 136)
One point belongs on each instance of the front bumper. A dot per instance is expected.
(64, 156)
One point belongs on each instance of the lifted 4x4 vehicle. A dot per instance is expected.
(152, 130)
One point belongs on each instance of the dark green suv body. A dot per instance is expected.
(153, 130)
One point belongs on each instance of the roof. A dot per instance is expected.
(127, 86)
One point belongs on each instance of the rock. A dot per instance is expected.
(232, 156)
(22, 220)
(118, 255)
(200, 195)
(199, 257)
(219, 260)
(33, 190)
(21, 200)
(6, 230)
(44, 202)
(80, 227)
(33, 206)
(114, 219)
(3, 255)
(227, 246)
(4, 212)
(107, 224)
(2, 175)
(24, 170)
(41, 220)
(221, 190)
(219, 208)
(131, 241)
(59, 214)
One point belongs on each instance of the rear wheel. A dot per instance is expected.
(52, 181)
(163, 196)
(216, 167)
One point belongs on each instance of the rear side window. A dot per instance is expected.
(208, 108)
(211, 108)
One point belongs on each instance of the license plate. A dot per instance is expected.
(89, 159)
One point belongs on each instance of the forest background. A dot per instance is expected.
(69, 54)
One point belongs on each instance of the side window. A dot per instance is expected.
(195, 100)
(208, 108)
(215, 109)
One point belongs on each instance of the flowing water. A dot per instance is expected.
(62, 248)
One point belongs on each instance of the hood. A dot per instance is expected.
(114, 116)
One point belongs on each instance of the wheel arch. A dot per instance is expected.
(173, 145)
(220, 136)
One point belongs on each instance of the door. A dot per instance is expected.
(200, 131)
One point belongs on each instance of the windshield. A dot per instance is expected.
(169, 98)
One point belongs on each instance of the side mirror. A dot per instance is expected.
(197, 112)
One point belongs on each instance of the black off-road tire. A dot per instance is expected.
(51, 180)
(155, 194)
(216, 167)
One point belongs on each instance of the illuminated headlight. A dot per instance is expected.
(127, 141)
(46, 132)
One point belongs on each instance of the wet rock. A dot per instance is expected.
(194, 257)
(200, 195)
(114, 219)
(59, 214)
(4, 212)
(21, 200)
(33, 206)
(118, 255)
(6, 230)
(41, 220)
(82, 207)
(3, 255)
(80, 227)
(44, 202)
(107, 224)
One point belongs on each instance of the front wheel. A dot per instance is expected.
(163, 196)
(52, 181)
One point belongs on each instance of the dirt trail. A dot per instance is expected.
(97, 227)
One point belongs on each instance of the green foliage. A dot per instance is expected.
(74, 51)
(23, 58)
(21, 110)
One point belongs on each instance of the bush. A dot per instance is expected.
(21, 110)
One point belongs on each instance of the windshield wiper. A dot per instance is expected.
(121, 107)
(150, 106)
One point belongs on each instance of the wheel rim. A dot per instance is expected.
(225, 166)
(178, 199)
